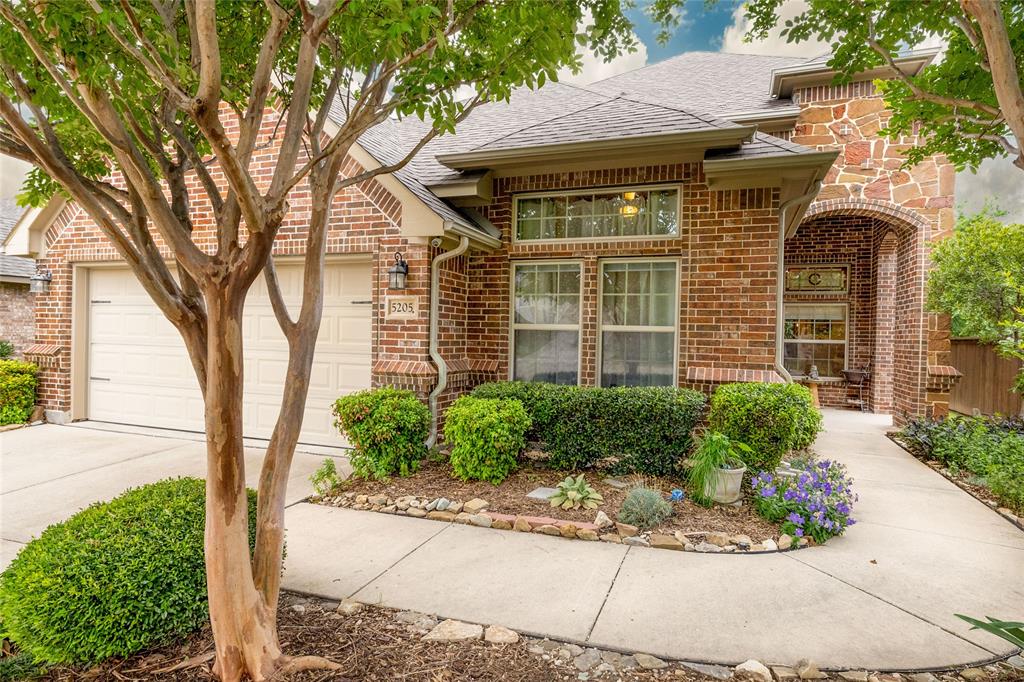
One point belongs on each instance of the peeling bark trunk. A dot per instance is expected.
(244, 627)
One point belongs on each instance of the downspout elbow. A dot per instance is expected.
(780, 278)
(435, 354)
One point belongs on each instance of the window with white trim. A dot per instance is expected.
(546, 322)
(815, 334)
(639, 300)
(619, 213)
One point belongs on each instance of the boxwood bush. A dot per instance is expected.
(388, 428)
(647, 429)
(17, 391)
(771, 418)
(486, 437)
(115, 578)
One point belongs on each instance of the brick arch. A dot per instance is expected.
(901, 219)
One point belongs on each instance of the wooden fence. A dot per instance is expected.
(987, 378)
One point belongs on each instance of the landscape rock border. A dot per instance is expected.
(475, 513)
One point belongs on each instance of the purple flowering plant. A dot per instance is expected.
(816, 503)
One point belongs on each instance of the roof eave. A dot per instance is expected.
(767, 118)
(540, 154)
(786, 78)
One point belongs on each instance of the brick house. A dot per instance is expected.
(17, 314)
(626, 233)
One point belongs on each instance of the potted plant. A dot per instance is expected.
(716, 469)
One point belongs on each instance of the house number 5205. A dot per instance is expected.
(402, 307)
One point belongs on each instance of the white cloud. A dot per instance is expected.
(997, 180)
(775, 44)
(594, 68)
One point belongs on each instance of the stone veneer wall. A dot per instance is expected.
(17, 316)
(916, 204)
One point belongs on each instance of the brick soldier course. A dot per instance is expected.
(870, 215)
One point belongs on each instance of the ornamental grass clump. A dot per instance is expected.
(644, 508)
(816, 503)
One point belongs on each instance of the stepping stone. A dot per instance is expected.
(499, 634)
(454, 631)
(542, 494)
(616, 483)
(648, 662)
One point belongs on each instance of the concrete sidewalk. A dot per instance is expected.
(883, 597)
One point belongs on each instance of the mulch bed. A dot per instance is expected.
(434, 480)
(371, 646)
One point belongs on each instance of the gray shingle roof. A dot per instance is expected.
(12, 266)
(690, 92)
(717, 82)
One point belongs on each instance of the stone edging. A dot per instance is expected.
(1002, 511)
(475, 513)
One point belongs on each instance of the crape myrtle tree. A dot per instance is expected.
(968, 106)
(137, 110)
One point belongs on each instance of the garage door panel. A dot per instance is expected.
(150, 381)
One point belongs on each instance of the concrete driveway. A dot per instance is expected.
(49, 472)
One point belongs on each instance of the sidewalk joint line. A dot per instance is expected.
(959, 538)
(892, 604)
(402, 558)
(607, 594)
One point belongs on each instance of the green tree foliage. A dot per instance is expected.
(978, 279)
(969, 104)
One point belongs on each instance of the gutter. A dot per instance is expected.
(435, 355)
(780, 278)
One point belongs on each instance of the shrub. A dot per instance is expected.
(991, 448)
(644, 508)
(771, 418)
(387, 427)
(115, 578)
(6, 349)
(647, 429)
(486, 437)
(574, 493)
(17, 391)
(817, 502)
(325, 478)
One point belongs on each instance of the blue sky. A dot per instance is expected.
(702, 29)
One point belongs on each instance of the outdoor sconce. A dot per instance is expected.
(397, 273)
(39, 283)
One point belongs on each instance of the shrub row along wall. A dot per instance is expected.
(648, 430)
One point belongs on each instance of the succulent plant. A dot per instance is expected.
(644, 508)
(574, 493)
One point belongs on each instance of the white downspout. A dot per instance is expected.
(435, 354)
(780, 279)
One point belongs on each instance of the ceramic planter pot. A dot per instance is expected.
(727, 485)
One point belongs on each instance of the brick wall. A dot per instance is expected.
(726, 251)
(17, 319)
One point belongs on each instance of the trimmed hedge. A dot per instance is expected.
(115, 578)
(388, 428)
(771, 418)
(486, 437)
(648, 429)
(17, 391)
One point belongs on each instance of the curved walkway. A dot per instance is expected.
(883, 597)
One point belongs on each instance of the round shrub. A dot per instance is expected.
(115, 578)
(771, 418)
(486, 437)
(17, 391)
(644, 508)
(388, 428)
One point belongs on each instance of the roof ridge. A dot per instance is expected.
(702, 116)
(607, 99)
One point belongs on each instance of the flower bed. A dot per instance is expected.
(691, 526)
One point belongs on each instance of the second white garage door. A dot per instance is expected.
(139, 372)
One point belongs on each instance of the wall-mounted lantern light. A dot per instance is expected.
(39, 283)
(397, 273)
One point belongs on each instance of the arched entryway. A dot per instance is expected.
(867, 310)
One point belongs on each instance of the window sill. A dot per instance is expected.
(819, 380)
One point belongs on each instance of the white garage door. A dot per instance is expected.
(139, 372)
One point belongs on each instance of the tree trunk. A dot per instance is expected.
(244, 627)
